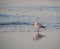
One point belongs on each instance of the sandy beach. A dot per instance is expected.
(16, 24)
(23, 40)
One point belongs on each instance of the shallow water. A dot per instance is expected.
(20, 17)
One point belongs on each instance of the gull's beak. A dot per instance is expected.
(33, 23)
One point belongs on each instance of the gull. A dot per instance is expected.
(37, 26)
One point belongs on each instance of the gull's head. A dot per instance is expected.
(34, 22)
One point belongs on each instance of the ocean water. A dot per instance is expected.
(19, 17)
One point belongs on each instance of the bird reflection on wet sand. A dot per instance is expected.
(37, 36)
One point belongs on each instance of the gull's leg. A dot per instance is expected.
(38, 31)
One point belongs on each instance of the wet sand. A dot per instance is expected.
(24, 40)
